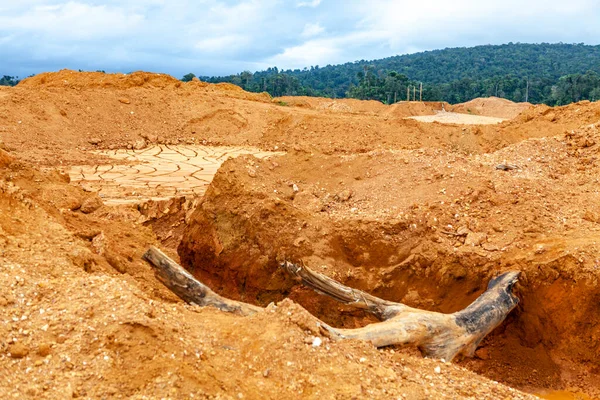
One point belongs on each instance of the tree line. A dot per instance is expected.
(9, 80)
(553, 74)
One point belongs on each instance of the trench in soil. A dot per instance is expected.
(547, 346)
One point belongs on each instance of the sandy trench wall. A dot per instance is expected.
(251, 218)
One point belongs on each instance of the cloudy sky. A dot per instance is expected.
(216, 37)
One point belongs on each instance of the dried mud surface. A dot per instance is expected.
(410, 211)
(156, 173)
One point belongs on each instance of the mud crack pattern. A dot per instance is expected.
(157, 172)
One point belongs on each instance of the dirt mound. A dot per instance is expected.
(491, 107)
(93, 80)
(397, 110)
(414, 108)
(338, 105)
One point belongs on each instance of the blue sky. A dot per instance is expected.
(211, 37)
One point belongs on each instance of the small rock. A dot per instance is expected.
(463, 231)
(475, 239)
(316, 342)
(482, 354)
(140, 144)
(344, 195)
(43, 349)
(124, 100)
(95, 141)
(251, 172)
(295, 187)
(150, 137)
(91, 204)
(438, 370)
(18, 350)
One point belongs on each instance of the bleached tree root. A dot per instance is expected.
(188, 288)
(437, 335)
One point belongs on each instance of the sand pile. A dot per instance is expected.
(491, 107)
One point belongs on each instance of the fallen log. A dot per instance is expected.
(188, 288)
(437, 335)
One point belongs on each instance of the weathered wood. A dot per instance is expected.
(323, 284)
(184, 285)
(437, 335)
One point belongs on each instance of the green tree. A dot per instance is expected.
(188, 77)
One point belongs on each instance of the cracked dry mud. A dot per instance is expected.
(157, 172)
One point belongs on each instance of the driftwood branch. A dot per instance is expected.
(437, 335)
(184, 285)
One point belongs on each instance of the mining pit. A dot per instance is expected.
(95, 168)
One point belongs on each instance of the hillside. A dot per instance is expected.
(454, 75)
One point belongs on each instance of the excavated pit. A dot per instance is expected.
(418, 249)
(255, 214)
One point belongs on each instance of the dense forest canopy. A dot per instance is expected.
(554, 74)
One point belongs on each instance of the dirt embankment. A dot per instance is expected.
(71, 113)
(491, 107)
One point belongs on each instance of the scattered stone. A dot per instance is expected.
(150, 137)
(490, 247)
(95, 141)
(124, 100)
(43, 349)
(475, 239)
(344, 195)
(18, 350)
(91, 204)
(462, 231)
(482, 353)
(140, 144)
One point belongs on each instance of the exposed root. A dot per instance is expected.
(437, 335)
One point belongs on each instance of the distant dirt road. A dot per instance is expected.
(457, 118)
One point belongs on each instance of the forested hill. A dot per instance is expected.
(549, 73)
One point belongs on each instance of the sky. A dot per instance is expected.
(219, 37)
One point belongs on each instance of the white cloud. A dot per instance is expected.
(227, 36)
(73, 21)
(314, 52)
(311, 30)
(222, 44)
(312, 4)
